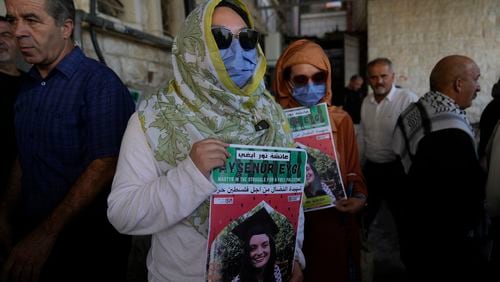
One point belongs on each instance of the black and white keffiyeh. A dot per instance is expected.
(432, 112)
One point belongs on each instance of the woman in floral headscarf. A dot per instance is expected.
(331, 236)
(179, 134)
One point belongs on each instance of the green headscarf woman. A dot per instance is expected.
(203, 101)
(180, 133)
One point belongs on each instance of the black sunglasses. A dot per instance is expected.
(247, 36)
(301, 80)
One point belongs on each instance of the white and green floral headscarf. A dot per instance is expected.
(202, 101)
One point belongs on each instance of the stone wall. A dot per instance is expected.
(416, 34)
(140, 66)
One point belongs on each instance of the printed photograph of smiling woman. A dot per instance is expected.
(258, 246)
(315, 186)
(257, 235)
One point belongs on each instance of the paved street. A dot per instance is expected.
(387, 267)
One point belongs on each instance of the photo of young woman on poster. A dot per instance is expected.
(257, 234)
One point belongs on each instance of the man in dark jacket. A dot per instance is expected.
(10, 80)
(444, 198)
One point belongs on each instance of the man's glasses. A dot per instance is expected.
(247, 36)
(317, 78)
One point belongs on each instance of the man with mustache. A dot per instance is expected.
(379, 113)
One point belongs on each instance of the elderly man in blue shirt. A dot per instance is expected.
(70, 117)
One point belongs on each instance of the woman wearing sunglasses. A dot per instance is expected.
(331, 236)
(181, 132)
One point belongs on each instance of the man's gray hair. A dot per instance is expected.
(61, 10)
(382, 61)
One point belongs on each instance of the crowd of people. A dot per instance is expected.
(85, 168)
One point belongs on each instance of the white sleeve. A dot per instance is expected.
(299, 255)
(142, 199)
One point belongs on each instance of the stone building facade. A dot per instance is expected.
(144, 66)
(416, 34)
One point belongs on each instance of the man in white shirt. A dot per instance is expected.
(379, 114)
